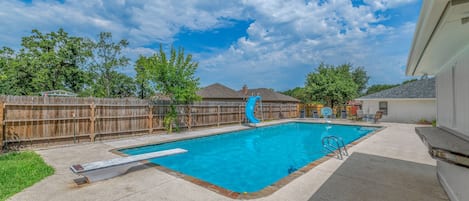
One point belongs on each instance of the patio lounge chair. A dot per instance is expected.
(315, 114)
(378, 116)
(101, 170)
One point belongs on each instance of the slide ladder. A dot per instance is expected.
(250, 107)
(335, 145)
(326, 113)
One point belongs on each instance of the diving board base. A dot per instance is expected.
(107, 173)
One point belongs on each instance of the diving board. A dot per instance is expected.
(101, 170)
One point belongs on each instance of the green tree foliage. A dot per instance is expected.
(7, 60)
(142, 80)
(55, 60)
(46, 61)
(107, 58)
(171, 75)
(123, 86)
(379, 87)
(360, 78)
(408, 81)
(332, 85)
(298, 93)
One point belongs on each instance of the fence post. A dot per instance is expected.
(218, 115)
(2, 126)
(189, 120)
(92, 120)
(297, 110)
(239, 114)
(150, 119)
(292, 110)
(271, 116)
(281, 112)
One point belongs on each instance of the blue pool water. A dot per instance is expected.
(250, 160)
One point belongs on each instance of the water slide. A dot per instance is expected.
(250, 106)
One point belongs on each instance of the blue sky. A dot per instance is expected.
(261, 43)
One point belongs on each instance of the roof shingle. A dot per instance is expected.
(270, 95)
(424, 88)
(219, 91)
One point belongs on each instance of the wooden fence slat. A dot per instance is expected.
(218, 115)
(2, 127)
(150, 119)
(92, 121)
(189, 120)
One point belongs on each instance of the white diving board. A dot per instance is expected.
(100, 170)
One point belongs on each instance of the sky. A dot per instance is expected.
(260, 43)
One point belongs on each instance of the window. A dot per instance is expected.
(383, 106)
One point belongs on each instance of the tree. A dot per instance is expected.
(408, 81)
(46, 61)
(360, 78)
(379, 87)
(122, 86)
(7, 60)
(298, 93)
(172, 76)
(143, 79)
(107, 58)
(332, 85)
(57, 59)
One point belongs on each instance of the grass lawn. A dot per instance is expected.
(20, 170)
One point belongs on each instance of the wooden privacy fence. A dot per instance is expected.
(47, 120)
(309, 108)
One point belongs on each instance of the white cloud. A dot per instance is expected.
(296, 36)
(284, 42)
(387, 4)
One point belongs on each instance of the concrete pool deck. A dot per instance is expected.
(396, 141)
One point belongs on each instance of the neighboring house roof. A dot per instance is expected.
(218, 91)
(420, 89)
(270, 95)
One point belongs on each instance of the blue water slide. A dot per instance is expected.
(250, 106)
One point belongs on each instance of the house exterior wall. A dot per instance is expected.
(403, 111)
(452, 86)
(453, 96)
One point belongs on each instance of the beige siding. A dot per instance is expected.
(453, 113)
(403, 111)
(444, 91)
(453, 95)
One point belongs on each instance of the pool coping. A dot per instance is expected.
(267, 190)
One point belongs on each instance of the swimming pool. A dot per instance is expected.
(250, 160)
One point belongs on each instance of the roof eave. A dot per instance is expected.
(439, 36)
(395, 99)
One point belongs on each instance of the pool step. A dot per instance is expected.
(335, 145)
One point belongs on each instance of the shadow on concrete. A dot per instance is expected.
(364, 177)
